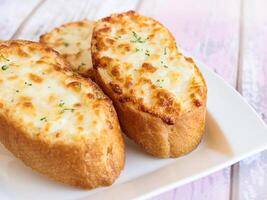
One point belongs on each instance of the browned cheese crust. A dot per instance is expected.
(88, 150)
(159, 94)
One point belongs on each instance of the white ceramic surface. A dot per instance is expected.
(234, 131)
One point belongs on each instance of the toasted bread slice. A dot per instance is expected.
(159, 94)
(55, 121)
(73, 41)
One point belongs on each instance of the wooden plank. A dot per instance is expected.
(12, 14)
(210, 32)
(54, 13)
(214, 186)
(251, 172)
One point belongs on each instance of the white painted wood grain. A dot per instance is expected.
(252, 173)
(54, 13)
(209, 31)
(12, 14)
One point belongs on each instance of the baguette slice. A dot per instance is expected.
(73, 41)
(159, 94)
(56, 122)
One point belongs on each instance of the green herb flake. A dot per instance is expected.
(165, 66)
(29, 84)
(4, 67)
(4, 58)
(159, 81)
(81, 65)
(165, 51)
(147, 53)
(66, 44)
(79, 85)
(137, 38)
(75, 74)
(17, 91)
(61, 104)
(118, 37)
(43, 119)
(136, 49)
(67, 109)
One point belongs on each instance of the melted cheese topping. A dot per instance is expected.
(138, 58)
(73, 41)
(43, 98)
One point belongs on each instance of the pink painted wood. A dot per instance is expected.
(252, 173)
(210, 32)
(43, 21)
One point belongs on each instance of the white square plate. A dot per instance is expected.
(234, 131)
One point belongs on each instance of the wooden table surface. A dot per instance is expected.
(229, 36)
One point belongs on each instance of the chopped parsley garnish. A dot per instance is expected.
(159, 81)
(166, 66)
(80, 66)
(79, 86)
(75, 74)
(165, 51)
(26, 83)
(4, 58)
(66, 44)
(67, 109)
(4, 67)
(118, 37)
(147, 53)
(17, 91)
(43, 119)
(61, 104)
(136, 49)
(138, 38)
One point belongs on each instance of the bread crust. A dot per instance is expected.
(159, 134)
(88, 163)
(156, 137)
(83, 165)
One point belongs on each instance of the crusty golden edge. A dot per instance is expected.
(82, 165)
(11, 43)
(155, 136)
(88, 164)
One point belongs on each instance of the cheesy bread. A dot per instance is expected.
(159, 94)
(55, 121)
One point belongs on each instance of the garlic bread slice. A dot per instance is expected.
(56, 122)
(159, 94)
(73, 41)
